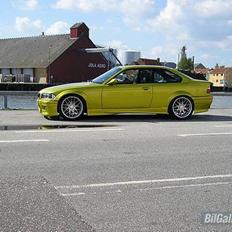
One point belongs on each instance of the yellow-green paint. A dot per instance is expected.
(111, 98)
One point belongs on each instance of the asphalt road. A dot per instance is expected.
(128, 173)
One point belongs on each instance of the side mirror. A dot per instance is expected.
(113, 82)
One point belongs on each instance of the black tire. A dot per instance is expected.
(181, 107)
(71, 107)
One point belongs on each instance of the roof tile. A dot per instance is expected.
(32, 52)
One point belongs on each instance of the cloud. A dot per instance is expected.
(166, 53)
(132, 16)
(213, 8)
(84, 5)
(134, 12)
(58, 27)
(24, 23)
(25, 4)
(117, 44)
(170, 20)
(31, 4)
(225, 43)
(94, 28)
(194, 21)
(229, 22)
(181, 20)
(206, 56)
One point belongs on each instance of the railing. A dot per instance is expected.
(6, 94)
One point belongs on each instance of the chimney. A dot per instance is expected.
(79, 30)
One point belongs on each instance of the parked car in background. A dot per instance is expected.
(128, 89)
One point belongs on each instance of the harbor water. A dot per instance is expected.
(29, 102)
(20, 102)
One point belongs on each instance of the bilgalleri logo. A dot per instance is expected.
(218, 218)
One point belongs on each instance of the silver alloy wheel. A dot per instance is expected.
(182, 107)
(72, 107)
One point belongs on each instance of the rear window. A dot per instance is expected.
(165, 76)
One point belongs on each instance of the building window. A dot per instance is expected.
(217, 80)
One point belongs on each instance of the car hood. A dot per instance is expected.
(59, 88)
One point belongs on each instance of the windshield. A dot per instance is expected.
(102, 78)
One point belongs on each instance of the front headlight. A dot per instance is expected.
(47, 96)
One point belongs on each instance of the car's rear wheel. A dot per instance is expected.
(181, 107)
(71, 107)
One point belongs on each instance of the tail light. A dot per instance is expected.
(208, 90)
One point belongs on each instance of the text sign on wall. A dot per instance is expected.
(94, 65)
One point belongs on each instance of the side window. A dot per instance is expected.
(145, 76)
(158, 78)
(127, 77)
(165, 76)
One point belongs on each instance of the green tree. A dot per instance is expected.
(185, 63)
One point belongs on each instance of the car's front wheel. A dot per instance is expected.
(181, 107)
(71, 107)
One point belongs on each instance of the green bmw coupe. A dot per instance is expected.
(128, 89)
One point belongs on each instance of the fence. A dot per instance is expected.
(6, 94)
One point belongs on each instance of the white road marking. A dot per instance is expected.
(150, 189)
(224, 125)
(206, 134)
(72, 194)
(143, 182)
(24, 141)
(118, 191)
(68, 130)
(187, 186)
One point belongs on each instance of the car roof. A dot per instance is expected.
(145, 66)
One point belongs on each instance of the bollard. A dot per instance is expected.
(4, 102)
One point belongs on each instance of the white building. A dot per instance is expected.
(128, 56)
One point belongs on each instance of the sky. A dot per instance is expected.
(157, 28)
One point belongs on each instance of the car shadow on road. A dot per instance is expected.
(208, 118)
(156, 118)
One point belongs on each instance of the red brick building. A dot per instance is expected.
(145, 61)
(52, 58)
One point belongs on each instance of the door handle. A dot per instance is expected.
(145, 88)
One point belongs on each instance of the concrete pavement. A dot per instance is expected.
(128, 173)
(32, 204)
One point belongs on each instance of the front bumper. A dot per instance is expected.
(47, 107)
